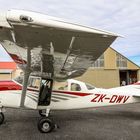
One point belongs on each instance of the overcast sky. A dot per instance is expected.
(119, 16)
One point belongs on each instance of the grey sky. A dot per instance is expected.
(119, 16)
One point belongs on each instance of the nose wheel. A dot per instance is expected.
(1, 118)
(45, 125)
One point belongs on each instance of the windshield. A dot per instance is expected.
(19, 79)
(89, 87)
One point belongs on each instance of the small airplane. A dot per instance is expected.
(71, 94)
(49, 49)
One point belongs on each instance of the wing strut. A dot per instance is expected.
(27, 72)
(68, 53)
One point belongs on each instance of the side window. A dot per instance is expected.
(34, 82)
(75, 87)
(64, 87)
(60, 86)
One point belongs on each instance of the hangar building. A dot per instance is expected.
(111, 69)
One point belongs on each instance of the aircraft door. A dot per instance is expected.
(32, 95)
(45, 92)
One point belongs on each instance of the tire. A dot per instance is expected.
(41, 113)
(1, 118)
(45, 125)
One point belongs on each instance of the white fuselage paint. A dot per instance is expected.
(64, 100)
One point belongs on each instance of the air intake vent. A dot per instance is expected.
(25, 18)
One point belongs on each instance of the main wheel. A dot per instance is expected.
(42, 113)
(45, 125)
(1, 118)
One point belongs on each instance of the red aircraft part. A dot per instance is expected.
(9, 85)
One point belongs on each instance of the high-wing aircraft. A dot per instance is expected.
(48, 49)
(71, 94)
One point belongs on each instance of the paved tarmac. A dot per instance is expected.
(104, 123)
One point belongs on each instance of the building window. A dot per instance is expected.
(121, 61)
(99, 63)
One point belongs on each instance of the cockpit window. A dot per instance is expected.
(89, 87)
(75, 87)
(61, 86)
(33, 82)
(64, 88)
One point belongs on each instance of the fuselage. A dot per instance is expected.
(63, 99)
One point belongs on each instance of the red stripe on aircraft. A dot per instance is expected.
(9, 85)
(72, 93)
(137, 83)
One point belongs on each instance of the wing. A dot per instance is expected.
(55, 47)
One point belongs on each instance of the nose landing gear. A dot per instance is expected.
(45, 124)
(42, 113)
